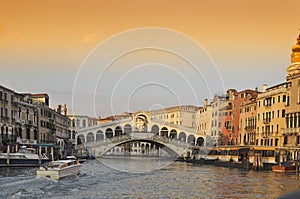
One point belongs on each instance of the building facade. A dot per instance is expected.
(217, 105)
(184, 115)
(27, 119)
(292, 130)
(271, 108)
(204, 119)
(248, 122)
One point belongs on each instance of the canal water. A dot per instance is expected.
(147, 178)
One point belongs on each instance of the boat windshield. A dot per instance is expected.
(53, 164)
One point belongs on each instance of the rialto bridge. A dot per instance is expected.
(139, 127)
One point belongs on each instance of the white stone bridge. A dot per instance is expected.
(174, 147)
(175, 139)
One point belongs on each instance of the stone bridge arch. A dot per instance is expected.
(176, 148)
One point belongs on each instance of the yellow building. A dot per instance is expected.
(271, 105)
(180, 115)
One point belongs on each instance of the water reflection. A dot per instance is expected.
(177, 180)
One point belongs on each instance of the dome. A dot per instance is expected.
(295, 56)
(294, 68)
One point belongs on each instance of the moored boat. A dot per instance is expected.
(59, 169)
(24, 157)
(285, 167)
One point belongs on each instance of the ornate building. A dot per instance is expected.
(292, 130)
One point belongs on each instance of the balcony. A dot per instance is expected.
(28, 123)
(267, 105)
(3, 100)
(27, 141)
(291, 130)
(250, 128)
(18, 120)
(4, 118)
(267, 120)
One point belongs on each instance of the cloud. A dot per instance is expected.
(89, 38)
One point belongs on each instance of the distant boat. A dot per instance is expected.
(24, 157)
(284, 167)
(59, 169)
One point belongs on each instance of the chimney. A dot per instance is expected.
(256, 89)
(205, 102)
(58, 109)
(65, 109)
(264, 87)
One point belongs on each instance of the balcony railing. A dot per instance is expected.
(3, 100)
(267, 120)
(18, 120)
(4, 118)
(248, 128)
(291, 130)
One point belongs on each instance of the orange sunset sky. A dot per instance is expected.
(43, 43)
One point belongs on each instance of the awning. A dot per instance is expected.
(45, 145)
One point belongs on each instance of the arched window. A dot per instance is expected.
(127, 129)
(118, 131)
(99, 135)
(182, 136)
(90, 137)
(164, 132)
(155, 130)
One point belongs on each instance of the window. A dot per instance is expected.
(285, 139)
(288, 100)
(278, 98)
(284, 98)
(27, 133)
(283, 113)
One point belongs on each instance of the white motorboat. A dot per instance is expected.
(59, 169)
(72, 157)
(24, 157)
